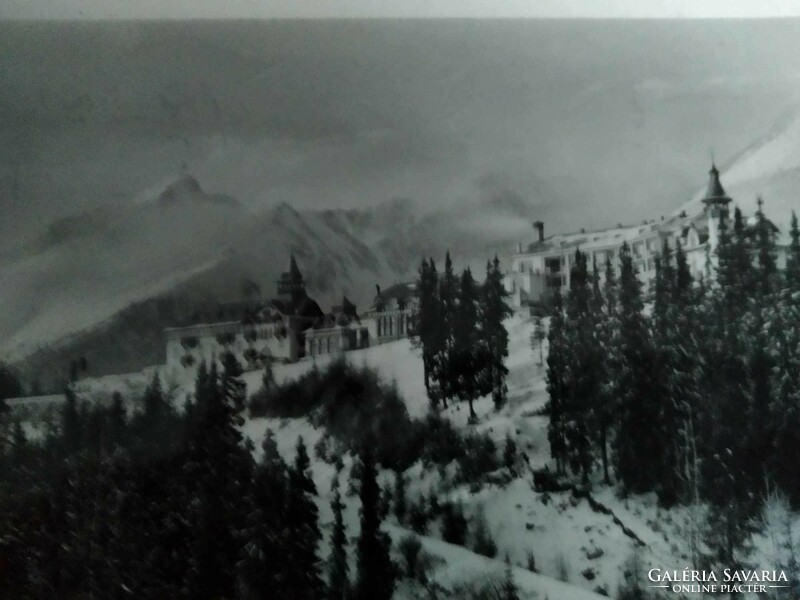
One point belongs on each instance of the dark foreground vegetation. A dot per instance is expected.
(696, 399)
(171, 504)
(168, 503)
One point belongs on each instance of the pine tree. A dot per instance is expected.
(767, 273)
(604, 410)
(219, 472)
(70, 423)
(117, 420)
(303, 534)
(376, 573)
(19, 446)
(263, 570)
(638, 449)
(338, 578)
(155, 405)
(10, 386)
(725, 387)
(467, 359)
(681, 357)
(556, 385)
(582, 373)
(428, 323)
(494, 310)
(448, 301)
(231, 382)
(793, 256)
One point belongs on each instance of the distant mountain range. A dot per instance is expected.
(147, 169)
(105, 284)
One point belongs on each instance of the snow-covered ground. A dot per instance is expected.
(569, 539)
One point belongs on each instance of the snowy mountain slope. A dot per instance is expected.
(770, 168)
(69, 288)
(568, 536)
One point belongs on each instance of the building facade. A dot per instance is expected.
(272, 331)
(289, 327)
(337, 332)
(544, 266)
(392, 312)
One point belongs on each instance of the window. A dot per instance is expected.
(552, 265)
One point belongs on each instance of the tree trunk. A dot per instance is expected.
(604, 454)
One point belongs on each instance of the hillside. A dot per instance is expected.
(115, 280)
(570, 538)
(769, 168)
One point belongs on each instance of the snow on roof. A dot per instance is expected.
(611, 237)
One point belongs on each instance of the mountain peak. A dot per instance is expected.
(186, 188)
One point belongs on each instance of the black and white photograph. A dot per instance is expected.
(399, 300)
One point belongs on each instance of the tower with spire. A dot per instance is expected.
(716, 203)
(291, 286)
(715, 198)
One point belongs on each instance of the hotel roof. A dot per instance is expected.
(610, 237)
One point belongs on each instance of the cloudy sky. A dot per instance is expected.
(127, 9)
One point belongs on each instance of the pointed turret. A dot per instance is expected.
(291, 286)
(294, 270)
(715, 194)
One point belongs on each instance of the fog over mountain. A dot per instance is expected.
(414, 135)
(351, 113)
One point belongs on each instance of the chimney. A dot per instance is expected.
(539, 226)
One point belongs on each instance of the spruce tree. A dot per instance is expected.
(117, 420)
(448, 301)
(428, 323)
(10, 386)
(557, 358)
(582, 373)
(70, 423)
(767, 272)
(376, 572)
(604, 410)
(669, 347)
(155, 405)
(303, 535)
(262, 572)
(793, 256)
(468, 360)
(494, 311)
(219, 471)
(338, 578)
(638, 448)
(231, 382)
